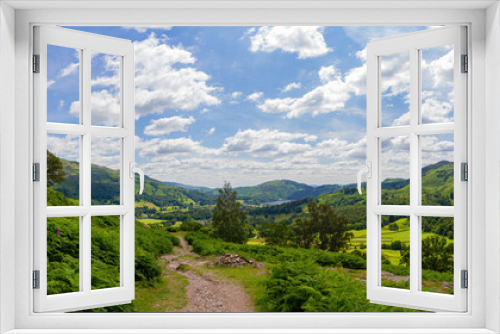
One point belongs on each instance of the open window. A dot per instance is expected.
(96, 136)
(404, 64)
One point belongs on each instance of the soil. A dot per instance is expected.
(206, 293)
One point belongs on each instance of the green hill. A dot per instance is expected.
(105, 188)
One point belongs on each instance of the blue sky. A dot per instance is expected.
(250, 104)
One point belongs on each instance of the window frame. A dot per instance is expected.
(485, 236)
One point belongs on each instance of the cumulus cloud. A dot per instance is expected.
(327, 73)
(158, 148)
(255, 96)
(211, 131)
(267, 142)
(64, 146)
(177, 86)
(105, 108)
(307, 42)
(163, 126)
(236, 95)
(327, 98)
(290, 86)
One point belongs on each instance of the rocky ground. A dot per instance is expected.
(206, 293)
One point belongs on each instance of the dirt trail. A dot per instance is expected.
(206, 293)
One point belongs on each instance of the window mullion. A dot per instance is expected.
(414, 172)
(85, 176)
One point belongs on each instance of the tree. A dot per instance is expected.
(304, 232)
(228, 218)
(393, 227)
(55, 172)
(437, 255)
(278, 233)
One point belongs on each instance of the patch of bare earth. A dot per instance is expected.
(206, 293)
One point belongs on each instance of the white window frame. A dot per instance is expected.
(413, 44)
(86, 43)
(484, 49)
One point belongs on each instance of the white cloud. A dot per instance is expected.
(327, 73)
(161, 86)
(162, 126)
(105, 108)
(211, 131)
(106, 151)
(70, 69)
(66, 147)
(434, 111)
(143, 29)
(290, 86)
(327, 98)
(267, 142)
(50, 83)
(236, 95)
(204, 111)
(255, 96)
(306, 41)
(158, 148)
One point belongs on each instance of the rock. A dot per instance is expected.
(232, 260)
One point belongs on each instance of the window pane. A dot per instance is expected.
(437, 65)
(63, 255)
(395, 249)
(395, 89)
(63, 170)
(105, 171)
(105, 91)
(105, 252)
(63, 84)
(437, 254)
(437, 169)
(395, 171)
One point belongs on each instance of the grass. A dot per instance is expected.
(150, 221)
(168, 295)
(256, 241)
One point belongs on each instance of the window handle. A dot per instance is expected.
(365, 170)
(139, 171)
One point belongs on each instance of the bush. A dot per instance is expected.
(303, 287)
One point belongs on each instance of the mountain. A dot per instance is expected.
(188, 187)
(105, 188)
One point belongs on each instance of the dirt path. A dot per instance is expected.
(206, 293)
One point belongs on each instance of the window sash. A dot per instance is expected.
(414, 298)
(86, 298)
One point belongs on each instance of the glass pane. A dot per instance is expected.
(63, 170)
(105, 171)
(105, 252)
(105, 91)
(437, 66)
(63, 85)
(437, 169)
(63, 255)
(437, 254)
(395, 249)
(395, 170)
(395, 89)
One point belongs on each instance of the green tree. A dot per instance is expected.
(55, 172)
(437, 255)
(278, 233)
(332, 229)
(304, 232)
(393, 227)
(228, 217)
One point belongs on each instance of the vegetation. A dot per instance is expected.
(228, 217)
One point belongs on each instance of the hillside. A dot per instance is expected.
(105, 188)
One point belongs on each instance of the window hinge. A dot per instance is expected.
(36, 63)
(36, 172)
(36, 279)
(465, 279)
(465, 64)
(465, 171)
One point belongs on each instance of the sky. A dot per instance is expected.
(252, 104)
